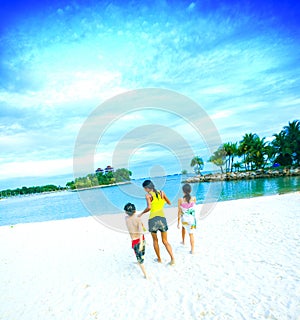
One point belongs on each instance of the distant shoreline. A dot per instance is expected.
(67, 190)
(243, 175)
(102, 186)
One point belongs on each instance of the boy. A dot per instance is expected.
(135, 229)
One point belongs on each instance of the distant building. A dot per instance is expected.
(109, 169)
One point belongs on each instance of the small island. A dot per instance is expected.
(101, 178)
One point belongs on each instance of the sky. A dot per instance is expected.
(239, 61)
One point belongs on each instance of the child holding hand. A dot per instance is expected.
(135, 229)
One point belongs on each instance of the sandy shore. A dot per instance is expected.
(246, 266)
(102, 186)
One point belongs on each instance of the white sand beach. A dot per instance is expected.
(246, 266)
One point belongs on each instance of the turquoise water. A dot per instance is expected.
(64, 205)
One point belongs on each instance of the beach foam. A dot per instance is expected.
(246, 266)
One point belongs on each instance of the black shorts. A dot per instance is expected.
(158, 224)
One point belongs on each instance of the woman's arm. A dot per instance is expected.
(148, 208)
(166, 198)
(140, 228)
(179, 212)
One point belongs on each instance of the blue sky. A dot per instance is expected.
(239, 60)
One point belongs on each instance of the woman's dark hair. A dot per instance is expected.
(149, 184)
(130, 208)
(187, 190)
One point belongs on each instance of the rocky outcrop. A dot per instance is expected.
(244, 175)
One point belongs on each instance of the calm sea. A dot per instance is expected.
(111, 200)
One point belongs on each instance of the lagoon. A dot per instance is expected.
(65, 205)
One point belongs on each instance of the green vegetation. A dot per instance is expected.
(91, 180)
(122, 175)
(29, 190)
(218, 158)
(197, 163)
(255, 153)
(100, 178)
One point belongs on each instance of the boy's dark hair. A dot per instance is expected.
(130, 208)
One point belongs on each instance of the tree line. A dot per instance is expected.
(253, 152)
(30, 190)
(91, 180)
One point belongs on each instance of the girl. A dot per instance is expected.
(186, 213)
(157, 221)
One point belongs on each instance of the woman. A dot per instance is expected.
(157, 221)
(186, 213)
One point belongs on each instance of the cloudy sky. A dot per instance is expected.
(61, 60)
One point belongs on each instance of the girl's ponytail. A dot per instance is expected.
(187, 190)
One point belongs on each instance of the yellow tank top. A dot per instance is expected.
(157, 205)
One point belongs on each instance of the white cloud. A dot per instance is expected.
(216, 90)
(251, 106)
(35, 168)
(222, 114)
(64, 88)
(191, 6)
(292, 101)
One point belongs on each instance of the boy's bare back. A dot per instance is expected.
(134, 226)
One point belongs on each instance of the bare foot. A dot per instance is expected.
(157, 260)
(172, 263)
(182, 242)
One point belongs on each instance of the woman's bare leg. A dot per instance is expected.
(183, 234)
(164, 238)
(192, 243)
(156, 246)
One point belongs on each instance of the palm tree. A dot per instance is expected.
(270, 153)
(258, 152)
(245, 148)
(237, 166)
(292, 134)
(197, 163)
(235, 152)
(219, 158)
(227, 150)
(287, 144)
(231, 150)
(281, 149)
